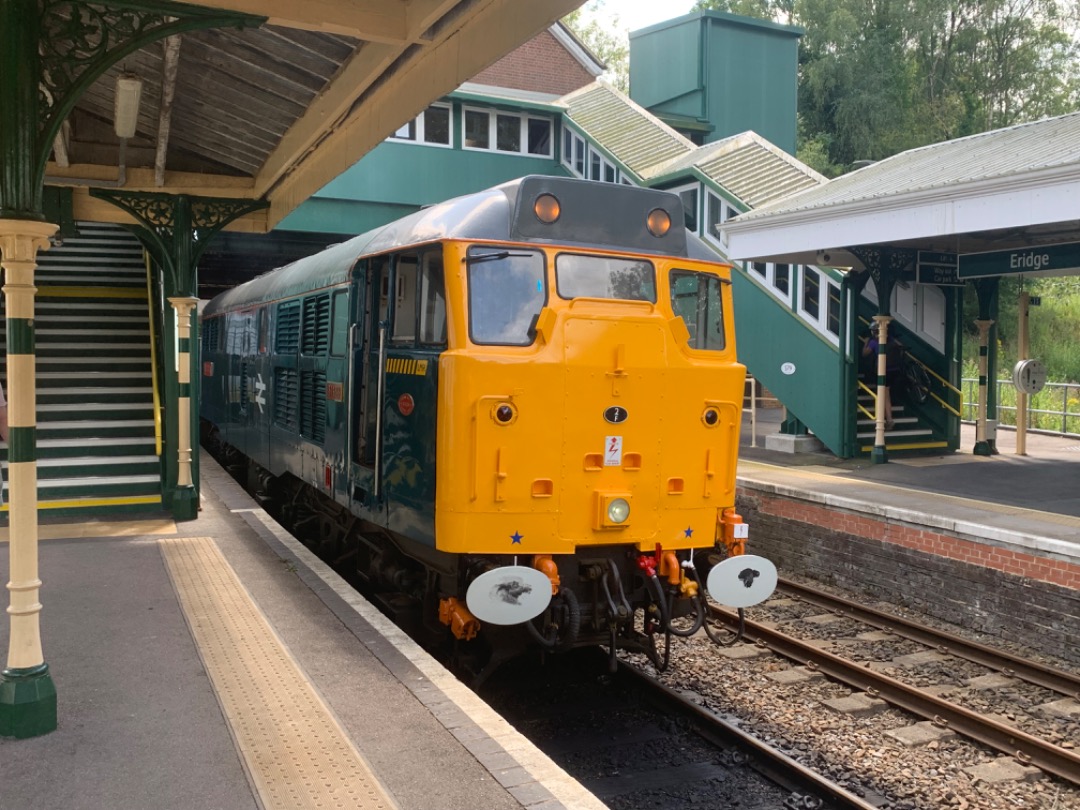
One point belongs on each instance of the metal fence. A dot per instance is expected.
(1055, 409)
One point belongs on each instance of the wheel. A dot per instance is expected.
(918, 382)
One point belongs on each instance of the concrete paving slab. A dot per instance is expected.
(1004, 769)
(920, 734)
(919, 658)
(992, 681)
(1066, 707)
(794, 675)
(742, 651)
(859, 704)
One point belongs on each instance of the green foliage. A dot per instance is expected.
(877, 77)
(1052, 326)
(608, 41)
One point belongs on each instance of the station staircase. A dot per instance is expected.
(97, 450)
(815, 375)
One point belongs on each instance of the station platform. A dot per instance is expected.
(219, 664)
(1030, 500)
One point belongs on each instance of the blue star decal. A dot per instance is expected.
(515, 539)
(688, 532)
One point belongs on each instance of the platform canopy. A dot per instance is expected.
(1004, 190)
(273, 106)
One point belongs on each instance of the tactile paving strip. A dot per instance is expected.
(296, 754)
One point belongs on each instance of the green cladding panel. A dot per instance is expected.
(744, 76)
(395, 179)
(794, 362)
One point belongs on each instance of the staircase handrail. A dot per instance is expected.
(873, 396)
(934, 374)
(153, 355)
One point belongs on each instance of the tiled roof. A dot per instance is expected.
(631, 133)
(1052, 143)
(746, 165)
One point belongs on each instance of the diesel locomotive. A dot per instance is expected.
(514, 415)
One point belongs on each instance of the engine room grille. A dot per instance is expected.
(313, 405)
(285, 385)
(288, 328)
(316, 325)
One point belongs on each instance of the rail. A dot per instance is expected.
(1055, 410)
(153, 355)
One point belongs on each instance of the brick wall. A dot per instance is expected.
(1004, 593)
(542, 64)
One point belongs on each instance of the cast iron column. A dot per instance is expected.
(27, 693)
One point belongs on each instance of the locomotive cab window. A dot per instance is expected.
(604, 277)
(432, 299)
(697, 299)
(507, 290)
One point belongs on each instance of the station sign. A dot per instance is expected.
(938, 268)
(1021, 260)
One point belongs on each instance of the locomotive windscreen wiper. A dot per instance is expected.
(491, 257)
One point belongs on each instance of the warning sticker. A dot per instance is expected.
(613, 451)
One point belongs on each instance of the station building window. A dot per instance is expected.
(717, 212)
(432, 127)
(689, 196)
(587, 162)
(820, 303)
(517, 133)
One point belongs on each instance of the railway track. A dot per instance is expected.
(1018, 707)
(638, 745)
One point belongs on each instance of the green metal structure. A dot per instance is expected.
(711, 74)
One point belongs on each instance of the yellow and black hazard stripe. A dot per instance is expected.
(406, 365)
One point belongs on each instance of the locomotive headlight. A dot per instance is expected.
(612, 510)
(658, 222)
(711, 417)
(618, 510)
(547, 208)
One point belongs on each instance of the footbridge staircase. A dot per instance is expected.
(800, 332)
(97, 447)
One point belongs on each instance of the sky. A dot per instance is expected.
(635, 14)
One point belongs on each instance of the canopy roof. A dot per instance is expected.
(273, 110)
(1009, 188)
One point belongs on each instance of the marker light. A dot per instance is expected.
(710, 417)
(658, 222)
(618, 510)
(547, 208)
(505, 413)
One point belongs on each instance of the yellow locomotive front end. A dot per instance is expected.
(589, 429)
(616, 423)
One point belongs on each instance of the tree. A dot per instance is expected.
(877, 77)
(609, 42)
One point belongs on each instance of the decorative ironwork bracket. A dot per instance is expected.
(886, 266)
(79, 41)
(176, 228)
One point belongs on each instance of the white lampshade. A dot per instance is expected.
(126, 111)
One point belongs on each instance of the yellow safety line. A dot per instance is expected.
(297, 755)
(105, 528)
(916, 446)
(90, 292)
(84, 503)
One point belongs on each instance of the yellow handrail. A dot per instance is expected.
(153, 356)
(934, 374)
(873, 396)
(945, 404)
